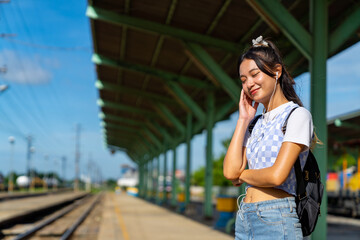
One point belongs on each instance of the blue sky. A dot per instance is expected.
(51, 79)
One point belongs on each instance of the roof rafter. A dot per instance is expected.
(148, 26)
(275, 14)
(164, 75)
(212, 69)
(123, 107)
(121, 89)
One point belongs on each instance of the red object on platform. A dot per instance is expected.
(332, 176)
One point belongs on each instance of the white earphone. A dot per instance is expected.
(277, 76)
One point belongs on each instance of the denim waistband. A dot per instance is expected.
(288, 202)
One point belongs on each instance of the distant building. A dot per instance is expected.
(129, 177)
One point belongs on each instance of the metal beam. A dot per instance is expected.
(139, 140)
(161, 74)
(152, 127)
(123, 107)
(212, 69)
(343, 32)
(153, 27)
(132, 91)
(165, 111)
(221, 12)
(274, 11)
(120, 127)
(222, 111)
(152, 137)
(158, 48)
(188, 101)
(163, 131)
(120, 120)
(344, 124)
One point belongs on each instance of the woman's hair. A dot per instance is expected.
(267, 58)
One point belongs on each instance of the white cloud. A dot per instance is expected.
(25, 70)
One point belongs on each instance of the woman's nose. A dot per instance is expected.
(249, 83)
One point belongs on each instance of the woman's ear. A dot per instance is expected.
(278, 70)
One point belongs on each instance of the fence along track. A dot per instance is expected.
(57, 216)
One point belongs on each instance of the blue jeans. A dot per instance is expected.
(273, 219)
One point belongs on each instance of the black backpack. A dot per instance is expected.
(309, 187)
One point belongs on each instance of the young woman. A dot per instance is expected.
(268, 210)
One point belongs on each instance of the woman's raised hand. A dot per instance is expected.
(246, 109)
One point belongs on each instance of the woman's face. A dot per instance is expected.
(256, 84)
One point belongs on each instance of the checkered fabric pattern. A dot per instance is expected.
(264, 145)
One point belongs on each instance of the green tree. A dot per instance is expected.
(351, 161)
(198, 177)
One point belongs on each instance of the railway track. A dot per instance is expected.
(61, 224)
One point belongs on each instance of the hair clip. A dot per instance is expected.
(259, 42)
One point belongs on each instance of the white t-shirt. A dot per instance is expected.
(299, 128)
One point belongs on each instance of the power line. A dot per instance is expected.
(47, 47)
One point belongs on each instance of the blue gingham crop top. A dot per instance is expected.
(263, 144)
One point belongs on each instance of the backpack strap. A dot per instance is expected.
(253, 122)
(287, 119)
(300, 191)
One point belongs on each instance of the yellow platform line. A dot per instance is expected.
(120, 219)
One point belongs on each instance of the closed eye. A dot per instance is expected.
(255, 74)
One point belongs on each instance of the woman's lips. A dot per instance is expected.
(254, 91)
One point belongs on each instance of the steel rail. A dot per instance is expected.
(36, 228)
(72, 229)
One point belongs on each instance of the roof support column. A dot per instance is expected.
(146, 182)
(157, 180)
(149, 179)
(188, 158)
(319, 29)
(164, 173)
(210, 102)
(141, 179)
(173, 180)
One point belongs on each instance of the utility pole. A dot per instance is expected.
(89, 169)
(11, 178)
(28, 157)
(63, 163)
(77, 157)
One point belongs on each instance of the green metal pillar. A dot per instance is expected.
(319, 30)
(164, 181)
(149, 179)
(208, 209)
(173, 181)
(145, 190)
(188, 158)
(141, 179)
(157, 180)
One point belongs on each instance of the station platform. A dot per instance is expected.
(130, 218)
(11, 211)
